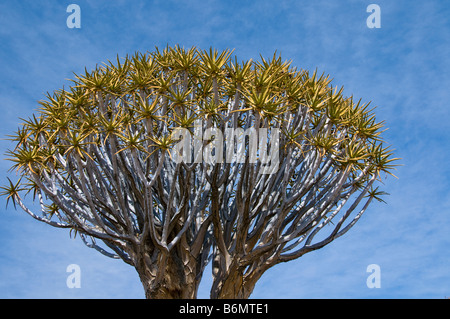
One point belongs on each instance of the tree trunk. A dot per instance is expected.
(235, 285)
(168, 278)
(167, 289)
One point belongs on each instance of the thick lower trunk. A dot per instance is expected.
(169, 278)
(167, 290)
(173, 279)
(235, 285)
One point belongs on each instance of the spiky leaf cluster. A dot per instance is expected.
(139, 100)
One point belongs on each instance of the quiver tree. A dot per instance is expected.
(136, 158)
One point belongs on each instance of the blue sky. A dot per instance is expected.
(402, 67)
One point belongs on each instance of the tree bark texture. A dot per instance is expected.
(171, 276)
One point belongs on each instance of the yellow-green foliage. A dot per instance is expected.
(140, 99)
